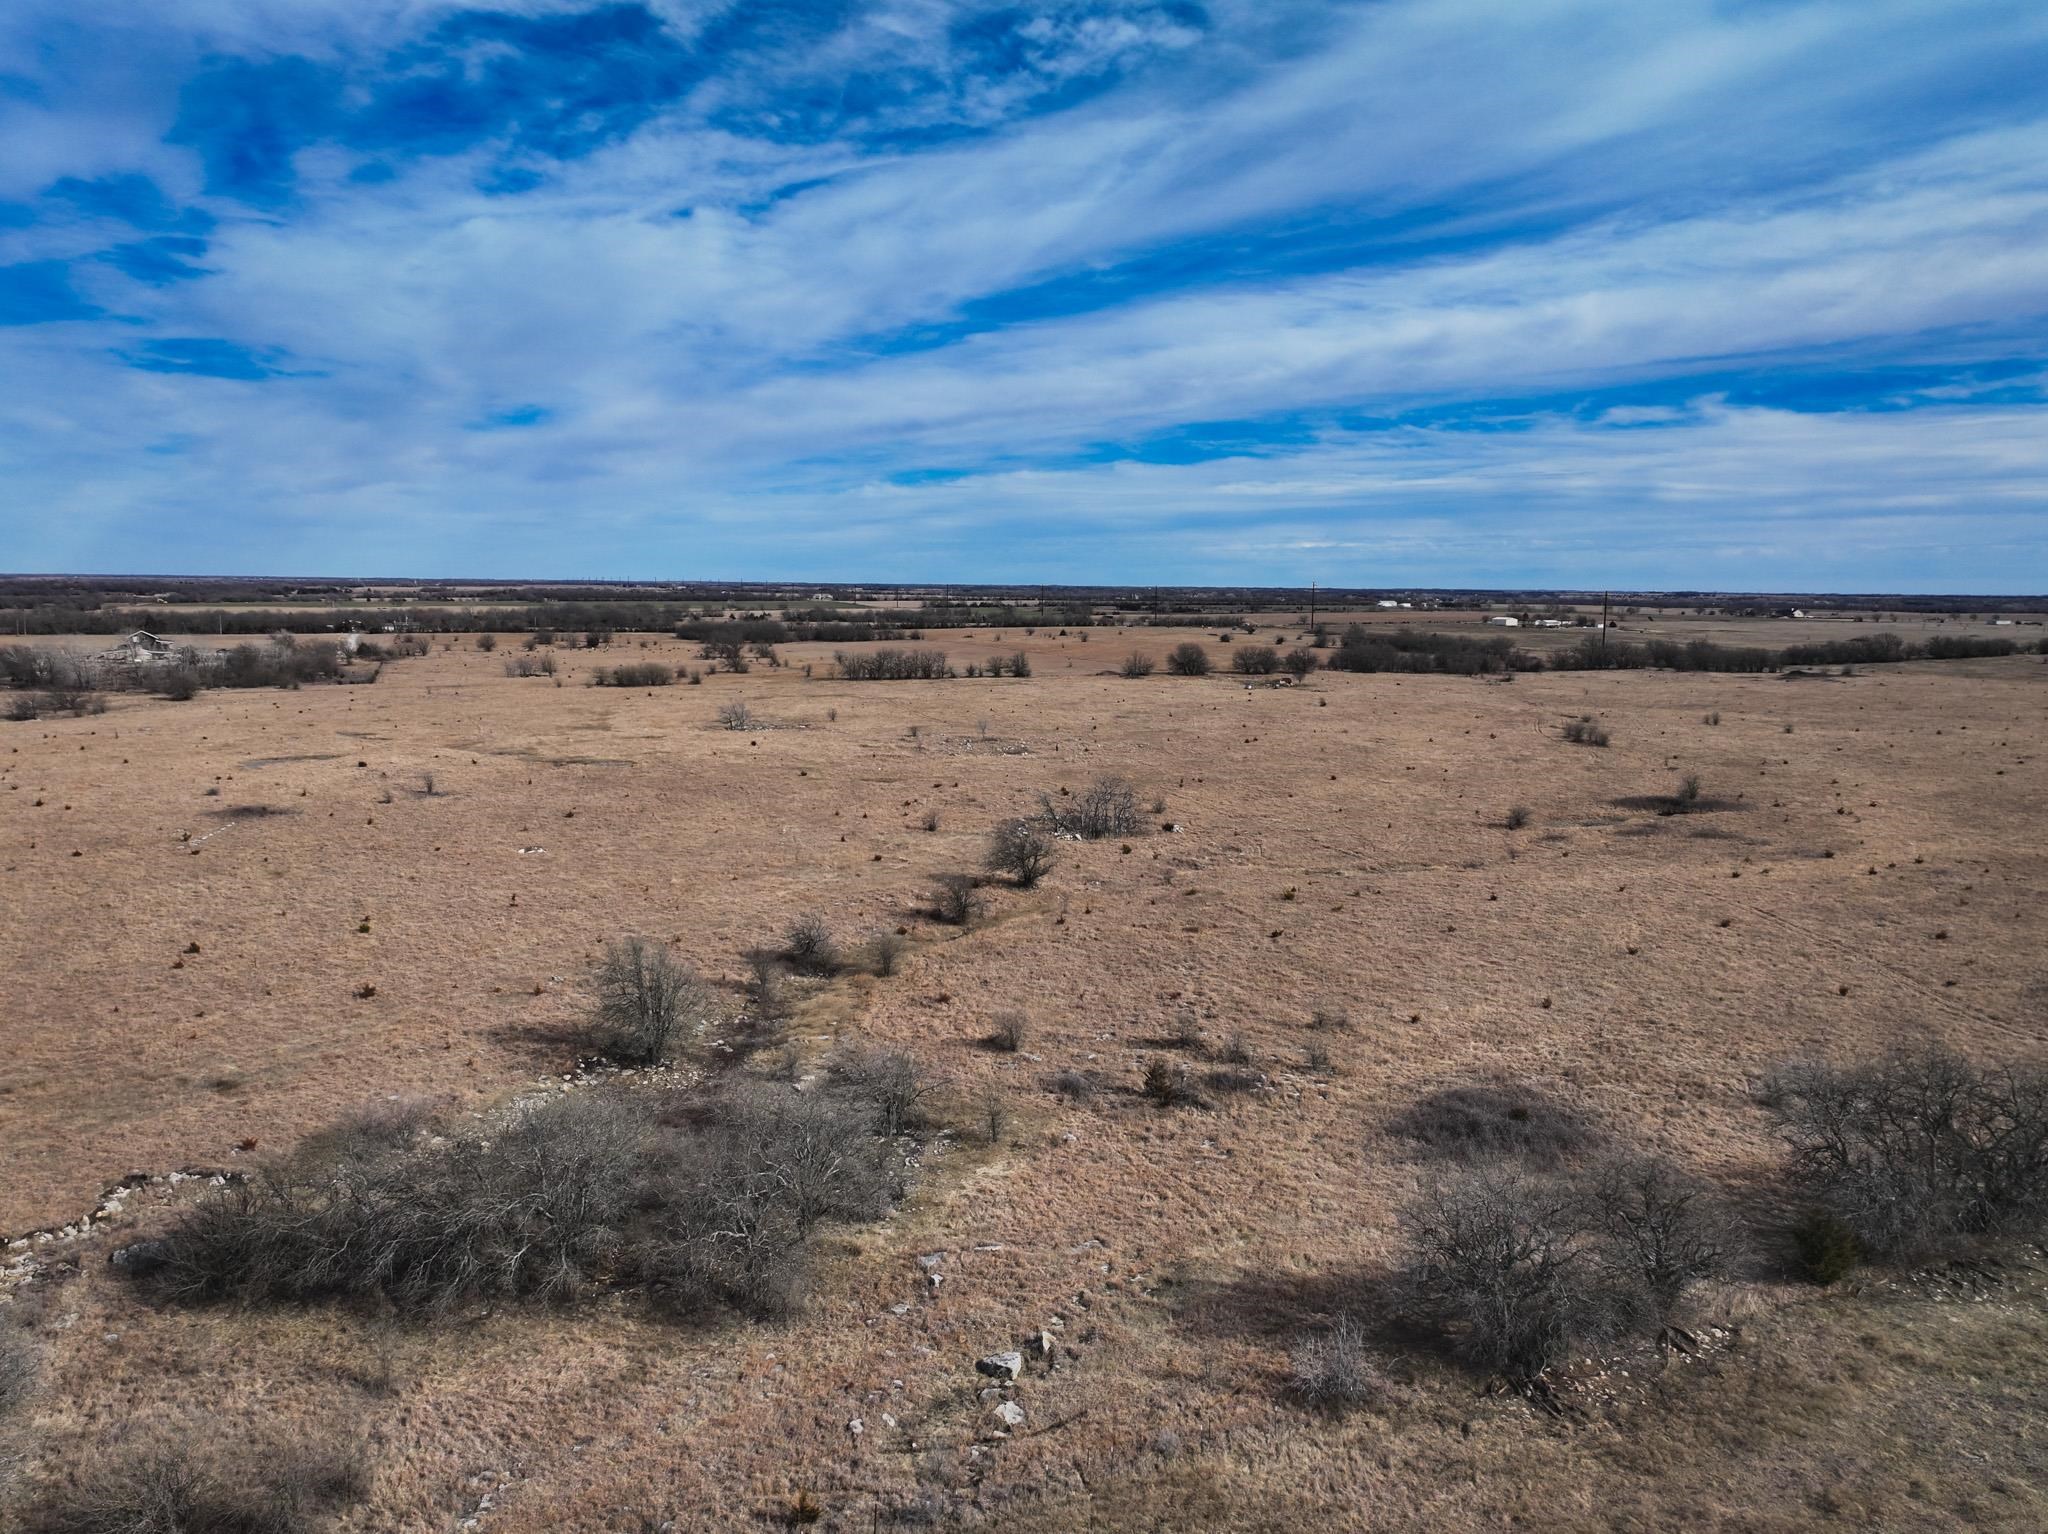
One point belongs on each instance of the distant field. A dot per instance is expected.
(187, 887)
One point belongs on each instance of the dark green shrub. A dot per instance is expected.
(1824, 1248)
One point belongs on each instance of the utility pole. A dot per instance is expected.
(1604, 596)
(1311, 607)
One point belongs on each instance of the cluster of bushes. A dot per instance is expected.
(46, 682)
(1107, 807)
(284, 662)
(530, 665)
(1516, 1268)
(1538, 1237)
(1596, 653)
(893, 665)
(28, 667)
(1018, 664)
(1188, 659)
(1913, 1153)
(642, 673)
(25, 706)
(704, 1202)
(1586, 731)
(1364, 649)
(191, 1482)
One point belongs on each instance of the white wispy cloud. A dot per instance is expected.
(1291, 212)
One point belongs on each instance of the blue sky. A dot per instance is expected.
(1746, 294)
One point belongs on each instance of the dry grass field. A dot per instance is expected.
(231, 919)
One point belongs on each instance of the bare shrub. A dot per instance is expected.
(1107, 807)
(1136, 665)
(1503, 1119)
(1075, 1086)
(885, 952)
(487, 642)
(1022, 850)
(1234, 1080)
(192, 1483)
(1916, 1151)
(1517, 817)
(1688, 795)
(1300, 661)
(1020, 664)
(1236, 1050)
(649, 1004)
(808, 946)
(645, 673)
(180, 683)
(955, 899)
(531, 1211)
(740, 1198)
(1188, 659)
(709, 1203)
(893, 665)
(736, 715)
(1585, 731)
(888, 1083)
(1332, 1371)
(1008, 1035)
(1502, 1268)
(992, 1112)
(1171, 1084)
(1661, 1229)
(768, 989)
(1254, 662)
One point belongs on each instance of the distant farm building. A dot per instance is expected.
(143, 645)
(1502, 621)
